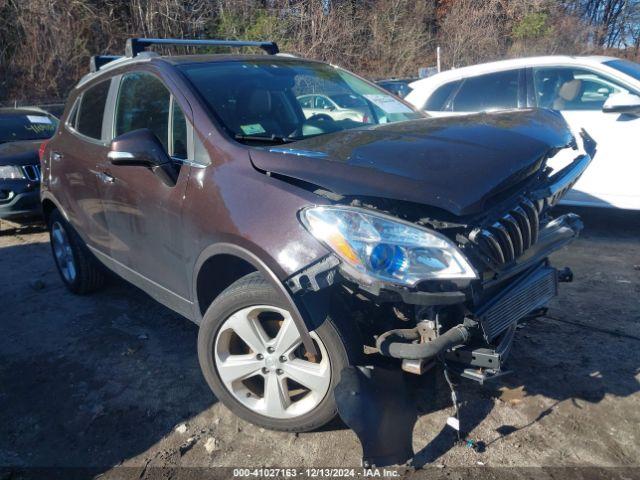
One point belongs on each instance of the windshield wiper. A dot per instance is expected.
(264, 138)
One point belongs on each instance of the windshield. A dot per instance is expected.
(26, 126)
(625, 66)
(281, 101)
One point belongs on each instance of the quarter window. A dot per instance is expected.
(91, 111)
(179, 133)
(495, 91)
(562, 88)
(438, 100)
(143, 102)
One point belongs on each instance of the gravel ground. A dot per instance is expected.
(113, 379)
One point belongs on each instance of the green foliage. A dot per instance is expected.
(532, 25)
(231, 24)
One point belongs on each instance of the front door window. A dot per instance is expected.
(565, 88)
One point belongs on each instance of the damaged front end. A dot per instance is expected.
(467, 319)
(491, 271)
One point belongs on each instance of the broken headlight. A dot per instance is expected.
(386, 248)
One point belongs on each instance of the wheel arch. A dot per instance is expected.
(49, 204)
(221, 264)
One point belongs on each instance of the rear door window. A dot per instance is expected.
(494, 91)
(143, 102)
(91, 111)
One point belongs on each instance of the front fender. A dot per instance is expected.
(261, 266)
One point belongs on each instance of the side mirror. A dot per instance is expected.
(141, 148)
(622, 103)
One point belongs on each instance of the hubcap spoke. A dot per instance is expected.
(57, 235)
(276, 394)
(314, 376)
(239, 367)
(71, 269)
(63, 252)
(248, 329)
(288, 337)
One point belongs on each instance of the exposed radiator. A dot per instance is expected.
(510, 305)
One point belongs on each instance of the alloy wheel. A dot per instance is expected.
(261, 361)
(63, 252)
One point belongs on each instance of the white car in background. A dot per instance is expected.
(341, 106)
(599, 94)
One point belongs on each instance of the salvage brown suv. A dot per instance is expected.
(304, 244)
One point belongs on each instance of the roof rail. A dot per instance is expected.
(134, 46)
(98, 61)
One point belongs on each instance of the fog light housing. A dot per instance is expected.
(5, 195)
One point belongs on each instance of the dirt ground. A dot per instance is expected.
(113, 379)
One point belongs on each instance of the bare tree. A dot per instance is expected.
(45, 45)
(50, 41)
(473, 31)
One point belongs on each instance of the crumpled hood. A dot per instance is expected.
(24, 152)
(453, 163)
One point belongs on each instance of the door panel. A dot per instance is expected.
(76, 166)
(612, 178)
(144, 214)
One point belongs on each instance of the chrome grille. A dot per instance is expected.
(527, 295)
(509, 236)
(32, 172)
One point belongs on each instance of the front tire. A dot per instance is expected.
(80, 271)
(252, 357)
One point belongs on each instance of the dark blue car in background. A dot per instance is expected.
(22, 132)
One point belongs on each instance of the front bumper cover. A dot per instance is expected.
(494, 306)
(19, 198)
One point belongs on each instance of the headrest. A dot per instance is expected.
(570, 90)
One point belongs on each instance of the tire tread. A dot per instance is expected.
(90, 276)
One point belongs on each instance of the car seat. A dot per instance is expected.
(569, 91)
(255, 107)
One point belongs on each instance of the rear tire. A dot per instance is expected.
(80, 271)
(252, 301)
